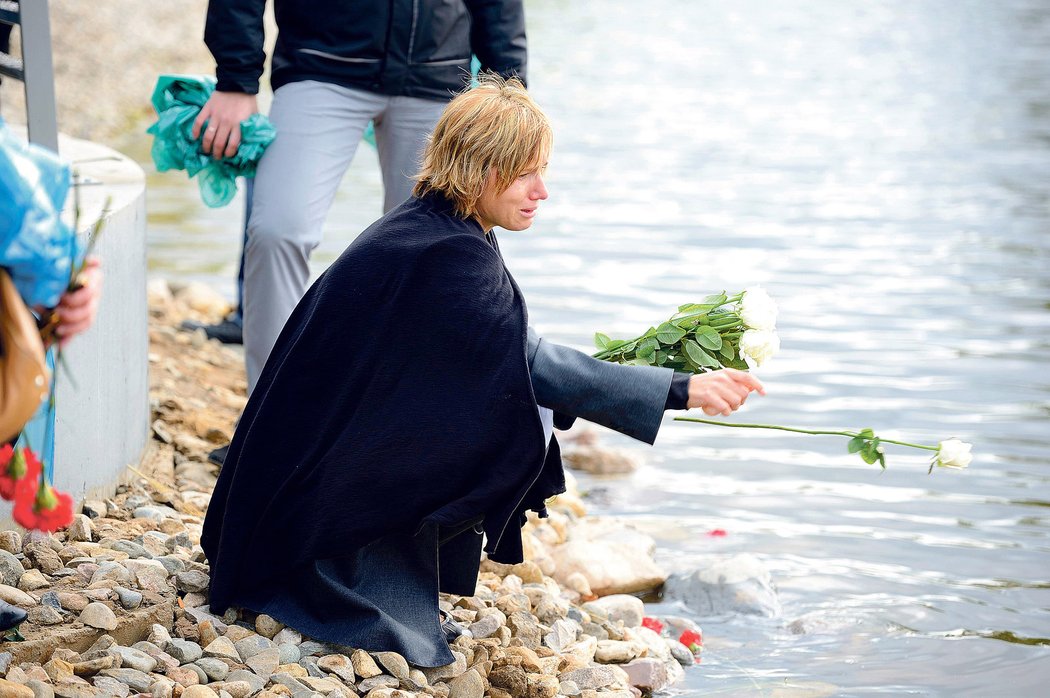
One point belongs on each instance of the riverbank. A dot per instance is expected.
(118, 602)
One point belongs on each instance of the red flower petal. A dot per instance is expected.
(653, 624)
(716, 532)
(691, 639)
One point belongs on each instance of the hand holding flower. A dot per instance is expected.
(723, 391)
(77, 309)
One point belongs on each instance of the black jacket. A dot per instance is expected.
(414, 48)
(397, 393)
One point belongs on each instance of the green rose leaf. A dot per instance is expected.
(856, 444)
(699, 356)
(728, 351)
(601, 341)
(669, 334)
(708, 338)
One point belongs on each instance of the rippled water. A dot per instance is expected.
(883, 168)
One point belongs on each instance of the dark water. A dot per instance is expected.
(883, 168)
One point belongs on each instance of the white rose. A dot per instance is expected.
(759, 345)
(757, 309)
(954, 453)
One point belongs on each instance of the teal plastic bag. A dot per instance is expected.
(178, 100)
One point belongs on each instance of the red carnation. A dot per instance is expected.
(16, 467)
(42, 508)
(653, 624)
(716, 532)
(693, 640)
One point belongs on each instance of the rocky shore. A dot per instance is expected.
(118, 602)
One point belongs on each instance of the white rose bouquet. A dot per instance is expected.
(739, 331)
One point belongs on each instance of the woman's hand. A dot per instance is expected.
(77, 309)
(723, 391)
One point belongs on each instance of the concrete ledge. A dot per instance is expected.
(103, 420)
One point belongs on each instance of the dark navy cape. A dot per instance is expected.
(396, 398)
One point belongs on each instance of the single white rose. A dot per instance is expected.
(954, 453)
(758, 310)
(759, 345)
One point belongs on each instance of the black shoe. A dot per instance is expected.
(452, 629)
(10, 618)
(228, 331)
(218, 456)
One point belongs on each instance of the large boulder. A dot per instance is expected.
(740, 584)
(612, 557)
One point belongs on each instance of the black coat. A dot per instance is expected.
(398, 393)
(414, 48)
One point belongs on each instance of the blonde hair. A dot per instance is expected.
(495, 127)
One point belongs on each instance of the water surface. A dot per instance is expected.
(882, 168)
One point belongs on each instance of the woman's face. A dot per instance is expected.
(515, 207)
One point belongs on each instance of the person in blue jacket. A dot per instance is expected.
(406, 414)
(337, 65)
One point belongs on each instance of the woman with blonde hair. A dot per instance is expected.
(406, 413)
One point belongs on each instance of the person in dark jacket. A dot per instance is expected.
(337, 65)
(406, 413)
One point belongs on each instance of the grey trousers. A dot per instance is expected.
(319, 127)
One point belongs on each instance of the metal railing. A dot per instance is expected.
(34, 68)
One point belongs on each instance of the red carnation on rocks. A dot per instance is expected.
(693, 640)
(653, 624)
(42, 508)
(17, 466)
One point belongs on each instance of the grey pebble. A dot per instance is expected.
(289, 653)
(216, 669)
(184, 650)
(128, 598)
(133, 549)
(11, 569)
